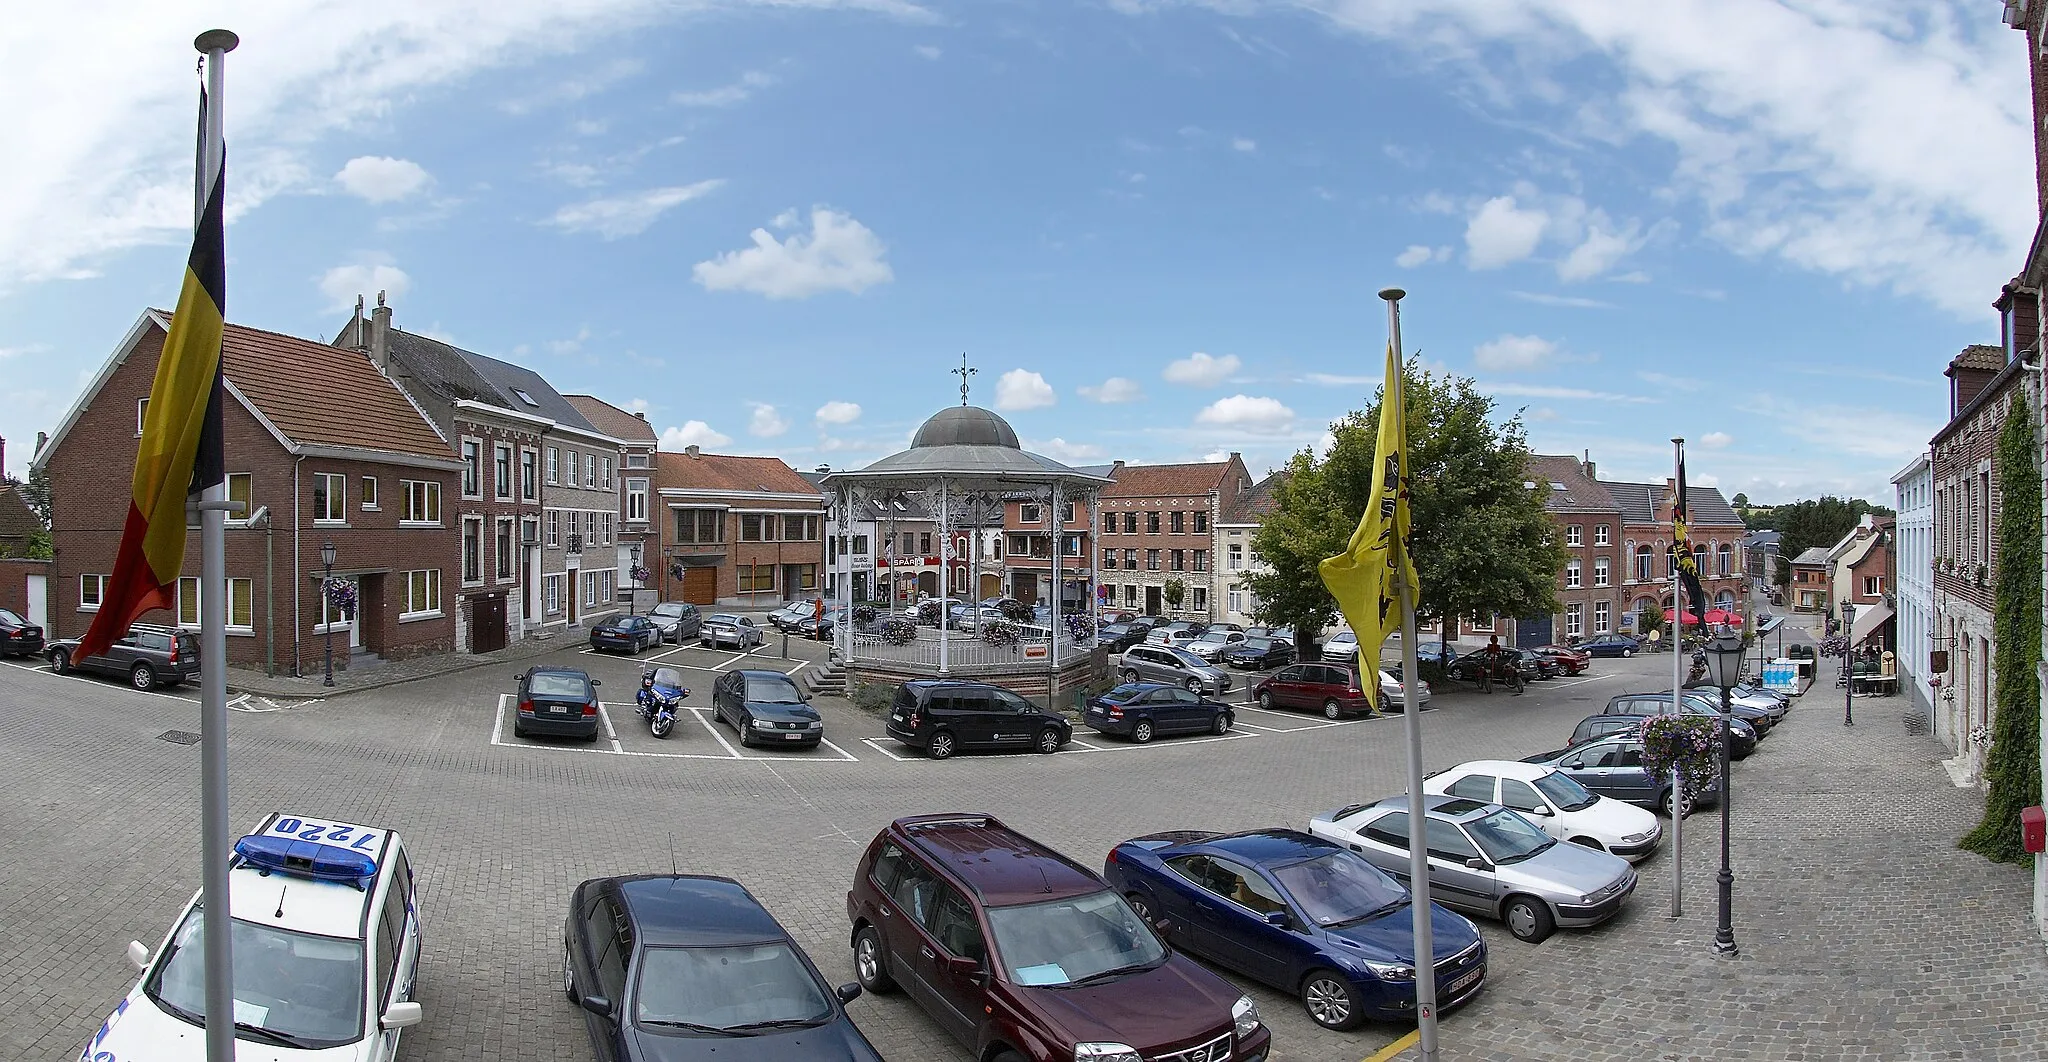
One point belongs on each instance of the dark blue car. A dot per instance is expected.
(1299, 913)
(681, 966)
(1611, 645)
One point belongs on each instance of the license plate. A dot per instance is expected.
(1464, 982)
(558, 709)
(792, 737)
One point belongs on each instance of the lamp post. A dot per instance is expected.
(327, 602)
(1848, 664)
(1724, 666)
(633, 595)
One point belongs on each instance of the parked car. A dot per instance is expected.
(1391, 693)
(1613, 767)
(624, 633)
(1328, 688)
(1166, 636)
(1468, 667)
(1213, 641)
(1301, 914)
(1195, 628)
(1023, 955)
(726, 628)
(972, 619)
(19, 637)
(785, 617)
(1142, 710)
(1565, 659)
(943, 717)
(1342, 648)
(1753, 704)
(1256, 654)
(1609, 723)
(766, 707)
(668, 967)
(148, 656)
(1114, 615)
(1622, 645)
(1160, 663)
(1487, 860)
(819, 628)
(1278, 634)
(677, 620)
(1561, 807)
(1117, 637)
(1700, 702)
(557, 702)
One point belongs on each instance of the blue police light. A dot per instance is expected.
(307, 859)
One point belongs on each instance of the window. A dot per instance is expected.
(1201, 523)
(529, 475)
(806, 577)
(1027, 514)
(924, 543)
(422, 501)
(1474, 787)
(636, 460)
(1574, 535)
(422, 594)
(1571, 575)
(240, 620)
(554, 456)
(1447, 841)
(604, 585)
(1130, 595)
(1599, 534)
(1152, 560)
(551, 593)
(1602, 618)
(1643, 562)
(504, 547)
(1234, 559)
(238, 492)
(569, 467)
(1178, 523)
(1483, 624)
(1109, 523)
(369, 491)
(472, 471)
(590, 470)
(756, 578)
(1070, 545)
(750, 528)
(529, 530)
(141, 414)
(1201, 599)
(1517, 794)
(1201, 560)
(860, 545)
(604, 466)
(1173, 560)
(1574, 619)
(330, 616)
(1066, 514)
(1109, 558)
(1151, 523)
(1600, 567)
(1019, 544)
(1873, 585)
(188, 602)
(501, 470)
(330, 501)
(1235, 601)
(701, 527)
(91, 588)
(472, 549)
(1131, 559)
(1130, 523)
(1724, 560)
(636, 501)
(552, 521)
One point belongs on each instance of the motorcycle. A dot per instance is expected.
(657, 706)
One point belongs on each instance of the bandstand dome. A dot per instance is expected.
(965, 426)
(967, 442)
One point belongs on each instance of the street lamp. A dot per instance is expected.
(1724, 667)
(633, 597)
(327, 602)
(1848, 663)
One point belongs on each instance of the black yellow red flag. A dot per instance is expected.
(1681, 555)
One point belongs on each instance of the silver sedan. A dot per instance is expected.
(724, 628)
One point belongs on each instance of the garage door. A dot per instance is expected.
(700, 586)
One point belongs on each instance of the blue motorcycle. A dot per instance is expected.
(660, 697)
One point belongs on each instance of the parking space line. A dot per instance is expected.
(605, 718)
(1085, 745)
(835, 748)
(704, 717)
(877, 746)
(666, 653)
(1249, 707)
(46, 669)
(1269, 729)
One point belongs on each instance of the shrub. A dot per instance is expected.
(873, 697)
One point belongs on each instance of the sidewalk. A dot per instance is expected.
(372, 673)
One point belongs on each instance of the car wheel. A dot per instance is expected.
(568, 975)
(1664, 802)
(1528, 918)
(1222, 724)
(1050, 740)
(1329, 1000)
(143, 677)
(1332, 710)
(1192, 685)
(1626, 653)
(940, 745)
(743, 724)
(1141, 731)
(869, 965)
(1128, 675)
(60, 662)
(1266, 700)
(517, 730)
(1140, 906)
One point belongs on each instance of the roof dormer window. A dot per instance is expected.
(526, 398)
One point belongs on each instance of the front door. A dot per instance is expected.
(700, 586)
(1151, 601)
(487, 623)
(1455, 883)
(955, 992)
(39, 601)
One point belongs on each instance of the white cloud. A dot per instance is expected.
(693, 433)
(838, 412)
(1247, 412)
(1244, 143)
(1023, 389)
(766, 422)
(1421, 254)
(1513, 353)
(1571, 301)
(928, 51)
(630, 214)
(1600, 251)
(838, 254)
(1113, 390)
(380, 179)
(1501, 233)
(1062, 450)
(1520, 390)
(1201, 370)
(343, 283)
(1216, 456)
(637, 405)
(726, 95)
(1714, 440)
(590, 81)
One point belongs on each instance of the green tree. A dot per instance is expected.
(1174, 592)
(36, 492)
(1820, 521)
(2013, 768)
(1740, 501)
(1483, 543)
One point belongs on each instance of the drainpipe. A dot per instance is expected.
(297, 615)
(269, 593)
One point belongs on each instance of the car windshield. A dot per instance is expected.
(1339, 888)
(1565, 793)
(728, 987)
(1126, 692)
(1214, 637)
(667, 609)
(1260, 644)
(290, 989)
(1065, 942)
(1188, 659)
(557, 684)
(772, 689)
(724, 618)
(667, 676)
(1506, 837)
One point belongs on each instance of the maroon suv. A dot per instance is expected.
(1026, 956)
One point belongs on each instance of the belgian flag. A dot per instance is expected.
(180, 450)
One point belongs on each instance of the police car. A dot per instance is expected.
(326, 941)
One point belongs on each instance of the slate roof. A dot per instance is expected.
(17, 520)
(729, 472)
(1640, 502)
(1813, 557)
(613, 421)
(1256, 503)
(455, 374)
(1167, 481)
(1580, 494)
(330, 396)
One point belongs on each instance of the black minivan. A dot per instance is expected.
(943, 717)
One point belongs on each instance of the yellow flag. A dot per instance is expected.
(1367, 577)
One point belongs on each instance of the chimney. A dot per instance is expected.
(355, 336)
(380, 336)
(42, 440)
(692, 451)
(3, 456)
(640, 415)
(1587, 463)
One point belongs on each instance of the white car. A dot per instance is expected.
(1179, 639)
(326, 943)
(1341, 648)
(1563, 808)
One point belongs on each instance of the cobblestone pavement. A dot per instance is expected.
(1864, 933)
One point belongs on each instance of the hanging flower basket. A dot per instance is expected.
(1080, 630)
(1015, 610)
(1686, 744)
(1000, 632)
(641, 574)
(899, 632)
(863, 614)
(928, 613)
(341, 597)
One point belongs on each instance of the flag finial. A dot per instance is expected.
(963, 372)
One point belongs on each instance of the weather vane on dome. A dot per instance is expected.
(964, 372)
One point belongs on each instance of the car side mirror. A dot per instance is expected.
(138, 955)
(1278, 919)
(848, 992)
(598, 1005)
(401, 1015)
(964, 967)
(1540, 812)
(597, 682)
(1476, 863)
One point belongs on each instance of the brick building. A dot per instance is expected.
(1813, 578)
(1646, 538)
(739, 530)
(1861, 575)
(321, 448)
(1590, 597)
(1027, 553)
(637, 523)
(1160, 523)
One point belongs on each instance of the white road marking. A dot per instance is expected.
(877, 746)
(605, 718)
(711, 724)
(122, 686)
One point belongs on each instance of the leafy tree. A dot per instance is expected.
(36, 492)
(1782, 576)
(2013, 768)
(1483, 543)
(1174, 592)
(1741, 500)
(1803, 525)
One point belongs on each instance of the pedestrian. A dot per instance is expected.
(1489, 665)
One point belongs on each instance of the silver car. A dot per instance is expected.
(1487, 860)
(1174, 667)
(676, 620)
(1213, 641)
(724, 628)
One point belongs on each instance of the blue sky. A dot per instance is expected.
(1155, 228)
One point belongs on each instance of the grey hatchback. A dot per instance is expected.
(677, 620)
(1172, 666)
(148, 656)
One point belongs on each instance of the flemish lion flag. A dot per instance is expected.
(1681, 554)
(180, 449)
(1366, 578)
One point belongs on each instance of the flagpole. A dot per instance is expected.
(213, 651)
(1677, 689)
(1411, 721)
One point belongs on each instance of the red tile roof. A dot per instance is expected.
(17, 520)
(1167, 481)
(613, 421)
(727, 472)
(1257, 503)
(1580, 493)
